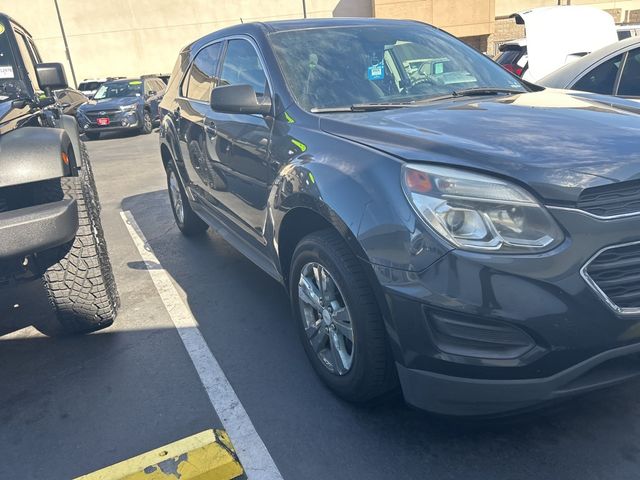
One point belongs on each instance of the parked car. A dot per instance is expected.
(627, 31)
(612, 70)
(50, 230)
(89, 86)
(485, 272)
(122, 105)
(162, 76)
(555, 36)
(69, 100)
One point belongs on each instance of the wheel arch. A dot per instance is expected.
(307, 216)
(31, 154)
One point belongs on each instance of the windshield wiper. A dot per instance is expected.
(363, 107)
(468, 92)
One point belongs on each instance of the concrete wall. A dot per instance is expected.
(463, 18)
(133, 37)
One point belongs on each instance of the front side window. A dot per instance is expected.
(131, 88)
(602, 78)
(630, 78)
(11, 84)
(341, 66)
(242, 66)
(202, 74)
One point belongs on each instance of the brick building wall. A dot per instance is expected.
(505, 29)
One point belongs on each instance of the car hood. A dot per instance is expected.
(555, 35)
(109, 103)
(556, 142)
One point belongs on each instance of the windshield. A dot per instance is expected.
(339, 67)
(11, 87)
(119, 89)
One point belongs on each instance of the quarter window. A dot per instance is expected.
(202, 74)
(602, 78)
(242, 66)
(630, 79)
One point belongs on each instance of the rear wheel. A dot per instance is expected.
(77, 276)
(147, 123)
(188, 221)
(339, 321)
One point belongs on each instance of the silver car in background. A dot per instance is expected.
(612, 70)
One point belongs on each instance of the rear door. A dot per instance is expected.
(629, 82)
(193, 103)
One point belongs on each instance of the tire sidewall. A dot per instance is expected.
(144, 129)
(310, 250)
(171, 171)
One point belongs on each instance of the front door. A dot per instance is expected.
(238, 145)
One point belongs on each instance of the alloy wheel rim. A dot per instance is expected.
(326, 318)
(147, 122)
(176, 197)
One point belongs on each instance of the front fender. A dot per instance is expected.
(32, 154)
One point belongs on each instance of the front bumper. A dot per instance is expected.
(118, 121)
(449, 395)
(578, 342)
(37, 228)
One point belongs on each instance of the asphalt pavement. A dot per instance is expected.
(70, 406)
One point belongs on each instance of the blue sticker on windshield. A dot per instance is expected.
(376, 72)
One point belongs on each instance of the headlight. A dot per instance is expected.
(478, 212)
(128, 108)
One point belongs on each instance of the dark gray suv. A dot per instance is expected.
(437, 222)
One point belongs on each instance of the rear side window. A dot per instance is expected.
(202, 74)
(602, 78)
(509, 57)
(630, 79)
(242, 66)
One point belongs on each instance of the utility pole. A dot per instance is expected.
(66, 45)
(304, 8)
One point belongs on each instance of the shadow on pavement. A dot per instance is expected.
(72, 405)
(244, 316)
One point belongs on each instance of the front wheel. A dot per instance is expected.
(78, 277)
(339, 321)
(147, 123)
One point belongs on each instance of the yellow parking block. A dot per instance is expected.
(208, 455)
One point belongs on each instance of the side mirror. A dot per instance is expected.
(238, 99)
(51, 75)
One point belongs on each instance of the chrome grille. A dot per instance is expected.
(615, 274)
(611, 200)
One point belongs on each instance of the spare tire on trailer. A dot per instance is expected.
(77, 276)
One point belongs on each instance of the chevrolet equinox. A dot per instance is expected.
(439, 223)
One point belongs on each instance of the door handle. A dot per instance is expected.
(210, 128)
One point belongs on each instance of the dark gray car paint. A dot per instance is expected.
(345, 169)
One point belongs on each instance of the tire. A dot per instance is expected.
(92, 135)
(77, 276)
(372, 372)
(189, 223)
(147, 123)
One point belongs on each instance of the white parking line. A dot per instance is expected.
(250, 448)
